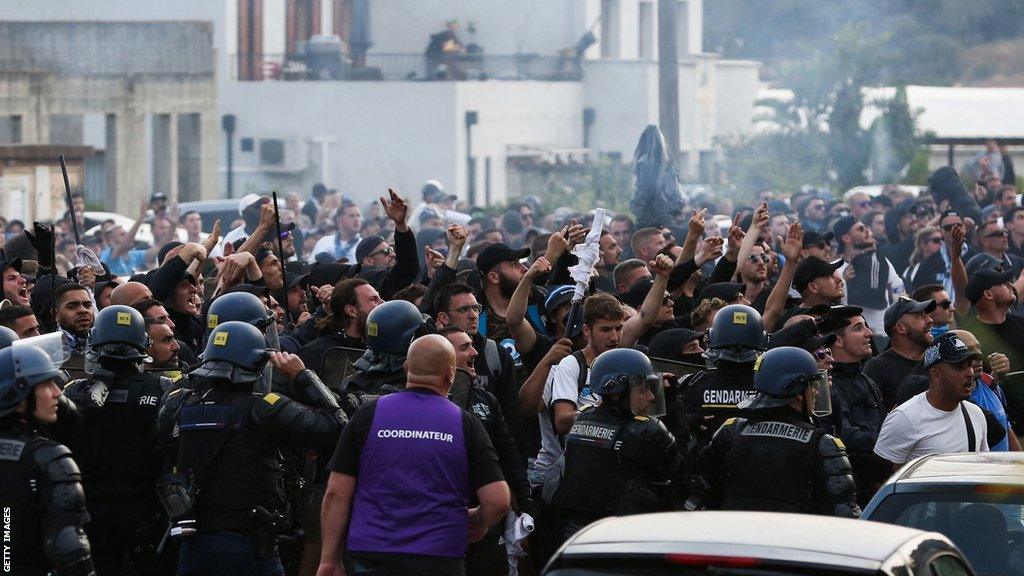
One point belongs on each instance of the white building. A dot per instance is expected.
(400, 130)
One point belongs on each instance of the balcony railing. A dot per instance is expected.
(408, 67)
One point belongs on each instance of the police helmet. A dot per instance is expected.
(736, 335)
(615, 370)
(392, 326)
(7, 336)
(236, 351)
(241, 307)
(119, 333)
(782, 373)
(21, 369)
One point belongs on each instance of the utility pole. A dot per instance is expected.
(668, 75)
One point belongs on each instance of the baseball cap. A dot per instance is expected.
(812, 237)
(811, 268)
(433, 191)
(297, 279)
(838, 317)
(11, 263)
(246, 201)
(984, 279)
(983, 260)
(726, 291)
(367, 246)
(803, 334)
(948, 348)
(157, 196)
(497, 253)
(904, 305)
(558, 296)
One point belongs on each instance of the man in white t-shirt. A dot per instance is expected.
(939, 420)
(563, 395)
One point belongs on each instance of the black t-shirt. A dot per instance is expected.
(887, 370)
(1007, 338)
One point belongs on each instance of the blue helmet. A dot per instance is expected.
(119, 332)
(615, 370)
(736, 335)
(235, 351)
(241, 307)
(21, 369)
(7, 336)
(392, 326)
(781, 374)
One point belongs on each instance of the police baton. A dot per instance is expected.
(280, 259)
(69, 201)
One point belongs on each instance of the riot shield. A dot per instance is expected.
(677, 369)
(337, 365)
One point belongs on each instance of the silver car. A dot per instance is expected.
(975, 499)
(753, 544)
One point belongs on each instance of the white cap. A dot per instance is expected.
(246, 201)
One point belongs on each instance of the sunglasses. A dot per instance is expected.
(936, 240)
(945, 304)
(762, 258)
(949, 227)
(822, 353)
(284, 235)
(863, 204)
(385, 251)
(998, 234)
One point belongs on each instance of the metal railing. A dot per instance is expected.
(407, 67)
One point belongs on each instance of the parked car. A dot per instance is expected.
(753, 544)
(976, 499)
(210, 210)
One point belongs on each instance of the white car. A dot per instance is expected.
(144, 234)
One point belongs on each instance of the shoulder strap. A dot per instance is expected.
(581, 380)
(971, 445)
(492, 357)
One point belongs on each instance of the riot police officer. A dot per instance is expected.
(39, 481)
(618, 459)
(115, 444)
(227, 441)
(390, 329)
(735, 339)
(777, 459)
(7, 336)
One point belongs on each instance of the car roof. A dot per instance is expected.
(967, 468)
(210, 205)
(762, 534)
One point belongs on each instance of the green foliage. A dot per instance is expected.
(778, 160)
(605, 182)
(894, 142)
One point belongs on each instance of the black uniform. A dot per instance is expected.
(374, 379)
(777, 461)
(41, 487)
(858, 412)
(616, 464)
(116, 447)
(228, 442)
(716, 393)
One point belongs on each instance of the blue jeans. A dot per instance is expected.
(221, 553)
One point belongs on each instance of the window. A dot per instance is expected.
(645, 32)
(609, 28)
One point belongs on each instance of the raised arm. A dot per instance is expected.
(522, 331)
(531, 393)
(958, 271)
(791, 249)
(757, 225)
(266, 224)
(128, 242)
(693, 234)
(635, 327)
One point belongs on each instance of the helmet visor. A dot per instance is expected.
(640, 386)
(31, 366)
(54, 344)
(822, 392)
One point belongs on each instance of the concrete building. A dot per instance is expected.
(339, 91)
(143, 92)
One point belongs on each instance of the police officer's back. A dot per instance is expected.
(618, 460)
(39, 481)
(227, 443)
(390, 329)
(115, 442)
(777, 459)
(711, 397)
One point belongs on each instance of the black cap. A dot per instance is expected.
(497, 253)
(842, 225)
(165, 249)
(818, 310)
(11, 263)
(157, 196)
(803, 334)
(984, 279)
(948, 348)
(330, 274)
(294, 281)
(812, 237)
(726, 291)
(838, 317)
(897, 309)
(668, 344)
(637, 292)
(811, 268)
(367, 246)
(983, 260)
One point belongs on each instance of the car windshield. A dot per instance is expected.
(988, 528)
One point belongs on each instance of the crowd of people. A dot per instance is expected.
(331, 388)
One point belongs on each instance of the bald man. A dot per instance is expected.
(419, 460)
(129, 293)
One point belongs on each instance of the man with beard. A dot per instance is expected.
(992, 294)
(15, 286)
(163, 349)
(155, 313)
(487, 556)
(20, 319)
(610, 254)
(944, 315)
(75, 318)
(871, 280)
(351, 303)
(995, 241)
(936, 269)
(857, 407)
(933, 422)
(908, 324)
(501, 270)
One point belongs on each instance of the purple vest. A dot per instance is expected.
(413, 489)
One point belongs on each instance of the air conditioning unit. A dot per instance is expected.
(282, 155)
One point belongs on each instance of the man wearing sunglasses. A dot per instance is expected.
(995, 241)
(936, 269)
(944, 315)
(908, 325)
(990, 291)
(749, 463)
(871, 280)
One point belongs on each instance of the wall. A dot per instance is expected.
(736, 91)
